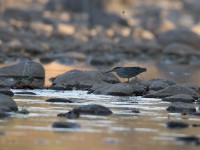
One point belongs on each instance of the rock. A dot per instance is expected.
(184, 36)
(134, 110)
(82, 79)
(194, 87)
(189, 140)
(179, 98)
(7, 104)
(70, 114)
(66, 125)
(173, 90)
(93, 109)
(59, 100)
(23, 111)
(26, 93)
(181, 107)
(177, 53)
(6, 92)
(119, 89)
(22, 75)
(174, 124)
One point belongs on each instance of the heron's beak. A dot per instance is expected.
(108, 71)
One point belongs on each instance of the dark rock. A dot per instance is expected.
(177, 53)
(173, 90)
(2, 133)
(195, 125)
(119, 89)
(7, 104)
(93, 109)
(179, 98)
(181, 107)
(82, 79)
(134, 110)
(192, 86)
(23, 111)
(70, 114)
(22, 75)
(184, 36)
(189, 140)
(61, 124)
(26, 93)
(59, 100)
(6, 92)
(174, 124)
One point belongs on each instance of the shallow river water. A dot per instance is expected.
(123, 130)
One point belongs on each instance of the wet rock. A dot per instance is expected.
(189, 140)
(93, 109)
(22, 75)
(65, 125)
(82, 79)
(7, 104)
(6, 92)
(173, 90)
(175, 124)
(179, 98)
(119, 89)
(192, 86)
(23, 111)
(134, 110)
(184, 36)
(181, 107)
(157, 84)
(59, 100)
(26, 93)
(70, 114)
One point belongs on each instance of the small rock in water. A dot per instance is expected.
(26, 93)
(93, 109)
(70, 114)
(23, 111)
(180, 107)
(59, 100)
(61, 124)
(134, 110)
(175, 124)
(189, 140)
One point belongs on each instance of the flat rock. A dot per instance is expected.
(22, 75)
(7, 104)
(173, 90)
(82, 79)
(26, 93)
(58, 100)
(118, 89)
(93, 109)
(179, 98)
(184, 36)
(181, 107)
(175, 124)
(61, 124)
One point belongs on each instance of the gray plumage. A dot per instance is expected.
(128, 72)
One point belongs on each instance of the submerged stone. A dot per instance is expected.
(175, 124)
(70, 114)
(61, 124)
(93, 109)
(181, 107)
(59, 100)
(189, 139)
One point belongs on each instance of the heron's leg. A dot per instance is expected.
(128, 80)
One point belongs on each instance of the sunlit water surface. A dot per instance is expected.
(123, 130)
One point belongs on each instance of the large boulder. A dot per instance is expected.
(76, 79)
(183, 36)
(22, 75)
